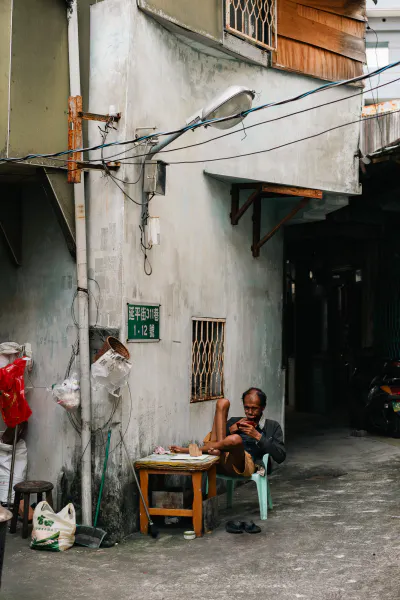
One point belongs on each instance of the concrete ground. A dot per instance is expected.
(334, 534)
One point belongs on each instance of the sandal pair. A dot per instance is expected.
(242, 526)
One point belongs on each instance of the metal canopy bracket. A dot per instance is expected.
(267, 190)
(75, 138)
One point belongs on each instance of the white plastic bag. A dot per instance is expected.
(110, 371)
(67, 393)
(53, 531)
(20, 467)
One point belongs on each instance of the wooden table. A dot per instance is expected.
(156, 464)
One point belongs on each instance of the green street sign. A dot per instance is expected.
(143, 322)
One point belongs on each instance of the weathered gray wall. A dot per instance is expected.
(35, 307)
(204, 266)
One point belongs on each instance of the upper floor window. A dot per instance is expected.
(377, 55)
(253, 20)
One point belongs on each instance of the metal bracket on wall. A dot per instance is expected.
(75, 139)
(267, 190)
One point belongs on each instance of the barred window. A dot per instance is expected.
(253, 20)
(208, 344)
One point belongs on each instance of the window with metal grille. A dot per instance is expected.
(208, 344)
(253, 20)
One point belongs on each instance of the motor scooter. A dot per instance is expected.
(375, 396)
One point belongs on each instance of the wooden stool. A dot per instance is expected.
(23, 491)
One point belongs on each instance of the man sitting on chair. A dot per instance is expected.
(240, 441)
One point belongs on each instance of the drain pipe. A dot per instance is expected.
(82, 282)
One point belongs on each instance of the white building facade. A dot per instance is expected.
(203, 268)
(158, 62)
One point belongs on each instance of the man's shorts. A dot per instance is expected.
(227, 467)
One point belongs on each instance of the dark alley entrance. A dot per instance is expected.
(327, 316)
(341, 298)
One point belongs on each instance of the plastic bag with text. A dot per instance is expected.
(52, 531)
(111, 371)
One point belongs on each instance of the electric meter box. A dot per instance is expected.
(155, 177)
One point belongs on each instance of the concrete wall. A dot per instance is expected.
(204, 266)
(205, 18)
(34, 84)
(35, 307)
(34, 73)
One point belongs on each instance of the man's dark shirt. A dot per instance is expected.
(271, 441)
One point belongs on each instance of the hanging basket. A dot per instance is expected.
(113, 343)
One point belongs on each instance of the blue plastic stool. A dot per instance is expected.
(264, 493)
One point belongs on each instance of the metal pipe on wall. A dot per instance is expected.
(82, 283)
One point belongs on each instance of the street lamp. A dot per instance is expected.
(234, 100)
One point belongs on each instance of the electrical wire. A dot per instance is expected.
(132, 182)
(96, 301)
(66, 161)
(75, 352)
(224, 135)
(309, 137)
(75, 347)
(108, 423)
(229, 133)
(146, 145)
(147, 265)
(104, 133)
(200, 123)
(217, 137)
(148, 269)
(121, 188)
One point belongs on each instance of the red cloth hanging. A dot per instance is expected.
(14, 407)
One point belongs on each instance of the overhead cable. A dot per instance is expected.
(309, 137)
(194, 126)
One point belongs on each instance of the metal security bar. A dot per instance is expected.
(208, 344)
(253, 20)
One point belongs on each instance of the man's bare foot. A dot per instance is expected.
(213, 451)
(207, 449)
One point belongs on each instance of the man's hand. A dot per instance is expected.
(179, 449)
(235, 427)
(249, 430)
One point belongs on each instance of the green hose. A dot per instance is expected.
(103, 477)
